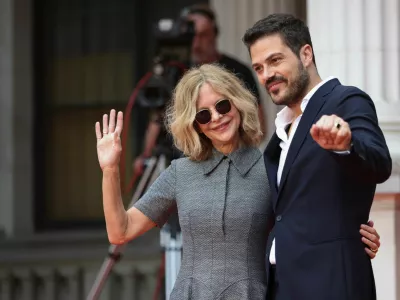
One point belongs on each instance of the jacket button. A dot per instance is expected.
(278, 218)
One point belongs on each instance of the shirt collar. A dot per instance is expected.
(285, 116)
(243, 159)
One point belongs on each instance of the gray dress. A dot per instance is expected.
(225, 214)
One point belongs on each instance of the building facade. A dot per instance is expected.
(46, 250)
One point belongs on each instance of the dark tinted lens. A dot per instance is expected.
(203, 116)
(223, 106)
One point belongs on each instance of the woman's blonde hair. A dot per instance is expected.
(180, 118)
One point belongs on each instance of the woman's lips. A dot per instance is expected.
(221, 127)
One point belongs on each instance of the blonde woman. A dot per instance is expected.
(220, 188)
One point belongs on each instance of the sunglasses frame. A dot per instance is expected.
(215, 106)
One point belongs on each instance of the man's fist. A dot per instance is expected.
(332, 133)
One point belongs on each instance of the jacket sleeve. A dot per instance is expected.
(159, 201)
(369, 159)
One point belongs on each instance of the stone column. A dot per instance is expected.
(234, 17)
(147, 271)
(358, 41)
(27, 282)
(48, 277)
(16, 117)
(5, 286)
(72, 274)
(128, 275)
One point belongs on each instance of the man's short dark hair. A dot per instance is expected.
(293, 31)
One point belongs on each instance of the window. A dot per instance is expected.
(85, 66)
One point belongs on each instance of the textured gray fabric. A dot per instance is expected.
(224, 211)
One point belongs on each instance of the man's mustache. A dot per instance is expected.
(274, 79)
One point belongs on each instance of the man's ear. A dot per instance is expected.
(306, 55)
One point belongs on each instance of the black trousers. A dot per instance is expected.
(273, 283)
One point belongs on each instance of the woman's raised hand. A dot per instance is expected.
(108, 141)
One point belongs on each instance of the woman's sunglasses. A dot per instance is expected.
(222, 107)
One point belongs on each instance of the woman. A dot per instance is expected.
(220, 188)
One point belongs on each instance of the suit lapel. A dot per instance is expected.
(271, 159)
(303, 130)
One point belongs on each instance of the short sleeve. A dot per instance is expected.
(159, 201)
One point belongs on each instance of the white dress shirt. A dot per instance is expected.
(283, 119)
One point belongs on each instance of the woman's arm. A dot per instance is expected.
(122, 226)
(151, 210)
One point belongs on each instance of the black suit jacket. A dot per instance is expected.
(323, 198)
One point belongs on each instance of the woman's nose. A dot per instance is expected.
(215, 115)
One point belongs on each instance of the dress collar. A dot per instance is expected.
(243, 159)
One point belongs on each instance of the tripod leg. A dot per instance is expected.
(145, 180)
(113, 257)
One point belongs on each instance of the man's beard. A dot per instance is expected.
(295, 91)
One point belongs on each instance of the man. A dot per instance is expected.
(204, 50)
(323, 162)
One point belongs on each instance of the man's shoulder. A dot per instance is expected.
(346, 96)
(335, 86)
(348, 90)
(334, 89)
(344, 92)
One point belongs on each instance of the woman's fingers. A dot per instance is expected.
(98, 132)
(105, 124)
(120, 123)
(111, 126)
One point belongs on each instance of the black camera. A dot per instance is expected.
(173, 50)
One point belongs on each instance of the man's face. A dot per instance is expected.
(204, 42)
(279, 70)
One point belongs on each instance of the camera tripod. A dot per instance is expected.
(170, 237)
